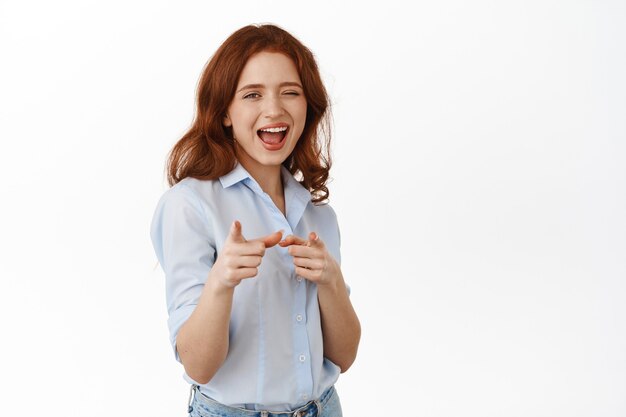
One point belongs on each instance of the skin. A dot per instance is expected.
(202, 342)
(268, 92)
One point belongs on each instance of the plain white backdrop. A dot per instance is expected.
(479, 181)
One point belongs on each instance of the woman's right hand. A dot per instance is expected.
(240, 258)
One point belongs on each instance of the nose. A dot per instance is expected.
(273, 107)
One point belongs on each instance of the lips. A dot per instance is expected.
(273, 136)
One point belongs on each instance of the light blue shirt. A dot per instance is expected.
(275, 359)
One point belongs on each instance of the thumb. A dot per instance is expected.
(271, 240)
(234, 235)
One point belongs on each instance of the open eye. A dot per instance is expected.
(252, 95)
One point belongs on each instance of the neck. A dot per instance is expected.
(268, 177)
(270, 181)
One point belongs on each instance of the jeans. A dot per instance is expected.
(327, 405)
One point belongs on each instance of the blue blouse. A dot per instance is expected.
(275, 359)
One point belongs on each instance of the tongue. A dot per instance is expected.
(270, 137)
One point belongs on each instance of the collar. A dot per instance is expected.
(238, 174)
(293, 189)
(296, 196)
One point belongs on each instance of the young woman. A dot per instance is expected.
(259, 313)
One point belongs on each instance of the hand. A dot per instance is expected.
(240, 258)
(312, 260)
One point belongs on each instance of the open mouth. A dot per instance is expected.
(272, 135)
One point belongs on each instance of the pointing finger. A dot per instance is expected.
(292, 240)
(271, 240)
(234, 234)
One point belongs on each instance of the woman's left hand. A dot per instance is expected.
(312, 260)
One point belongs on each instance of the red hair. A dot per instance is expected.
(207, 150)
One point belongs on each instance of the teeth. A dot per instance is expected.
(274, 129)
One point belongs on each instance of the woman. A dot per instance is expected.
(263, 326)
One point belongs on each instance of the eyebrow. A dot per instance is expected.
(284, 84)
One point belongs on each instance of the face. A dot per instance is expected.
(268, 111)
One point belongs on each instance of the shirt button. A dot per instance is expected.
(298, 278)
(302, 358)
(305, 397)
(299, 317)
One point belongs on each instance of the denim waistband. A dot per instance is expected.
(310, 409)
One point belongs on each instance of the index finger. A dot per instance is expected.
(270, 240)
(292, 240)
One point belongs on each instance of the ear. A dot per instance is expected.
(226, 121)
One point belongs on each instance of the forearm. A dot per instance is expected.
(340, 325)
(202, 342)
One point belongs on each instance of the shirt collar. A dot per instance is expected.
(238, 174)
(293, 189)
(296, 196)
(292, 186)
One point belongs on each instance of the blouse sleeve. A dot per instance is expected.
(185, 247)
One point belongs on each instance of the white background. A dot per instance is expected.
(479, 180)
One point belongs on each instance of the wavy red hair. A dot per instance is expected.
(207, 150)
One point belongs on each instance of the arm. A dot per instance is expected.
(340, 324)
(202, 342)
(199, 285)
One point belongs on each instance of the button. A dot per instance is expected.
(305, 397)
(298, 278)
(299, 317)
(302, 358)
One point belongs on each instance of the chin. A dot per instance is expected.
(272, 161)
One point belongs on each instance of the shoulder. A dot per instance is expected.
(324, 218)
(196, 187)
(324, 211)
(185, 200)
(190, 191)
